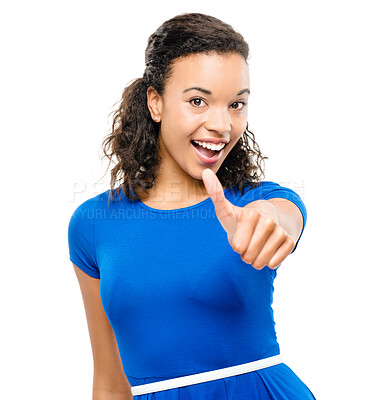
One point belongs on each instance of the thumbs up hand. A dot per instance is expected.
(253, 231)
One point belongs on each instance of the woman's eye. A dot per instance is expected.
(196, 101)
(239, 102)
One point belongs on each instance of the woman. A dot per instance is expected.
(176, 266)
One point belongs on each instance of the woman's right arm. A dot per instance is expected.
(109, 381)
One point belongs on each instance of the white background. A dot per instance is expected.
(65, 64)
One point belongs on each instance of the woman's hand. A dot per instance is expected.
(253, 231)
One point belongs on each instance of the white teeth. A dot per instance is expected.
(211, 146)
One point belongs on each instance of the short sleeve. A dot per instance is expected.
(269, 190)
(81, 241)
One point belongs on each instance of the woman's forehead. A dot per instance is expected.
(210, 71)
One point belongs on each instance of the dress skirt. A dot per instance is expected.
(277, 382)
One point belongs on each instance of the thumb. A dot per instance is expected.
(225, 211)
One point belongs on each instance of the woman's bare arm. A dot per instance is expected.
(109, 381)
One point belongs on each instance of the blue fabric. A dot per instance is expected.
(179, 299)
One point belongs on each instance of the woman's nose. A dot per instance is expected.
(219, 121)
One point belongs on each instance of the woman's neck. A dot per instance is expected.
(175, 193)
(172, 190)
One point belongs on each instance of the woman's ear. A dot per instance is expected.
(154, 102)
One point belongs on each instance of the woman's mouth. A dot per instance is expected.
(208, 153)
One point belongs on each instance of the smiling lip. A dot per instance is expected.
(208, 160)
(216, 141)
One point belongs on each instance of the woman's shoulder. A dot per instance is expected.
(262, 190)
(93, 202)
(93, 208)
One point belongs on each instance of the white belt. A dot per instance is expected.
(205, 376)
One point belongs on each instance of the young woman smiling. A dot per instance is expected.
(176, 265)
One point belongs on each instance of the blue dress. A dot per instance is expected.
(179, 299)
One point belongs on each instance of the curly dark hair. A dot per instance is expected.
(134, 136)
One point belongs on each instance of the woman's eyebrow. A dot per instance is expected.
(209, 92)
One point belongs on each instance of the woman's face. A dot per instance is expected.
(204, 100)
